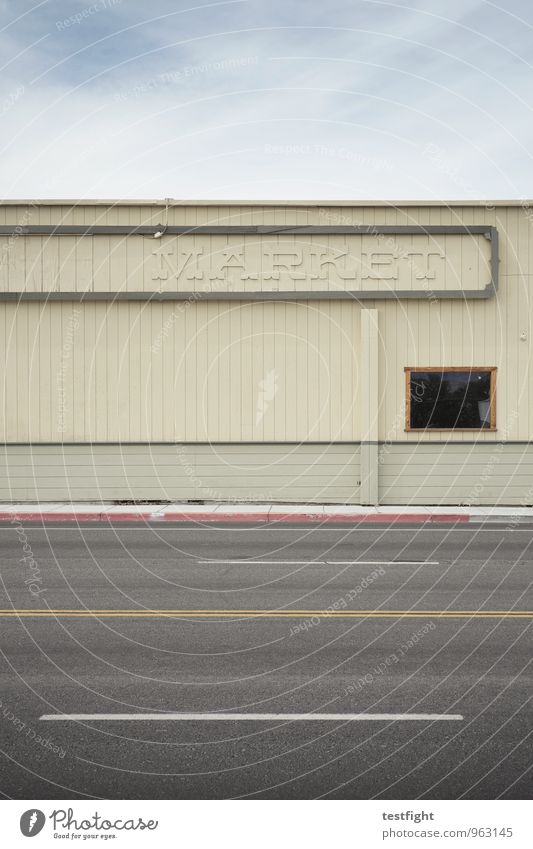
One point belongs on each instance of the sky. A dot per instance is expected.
(273, 99)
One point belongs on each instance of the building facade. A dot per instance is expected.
(290, 352)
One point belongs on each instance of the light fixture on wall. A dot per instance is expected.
(162, 230)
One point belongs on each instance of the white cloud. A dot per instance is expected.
(248, 99)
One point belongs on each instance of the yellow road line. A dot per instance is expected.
(272, 614)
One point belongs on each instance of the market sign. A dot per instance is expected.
(252, 261)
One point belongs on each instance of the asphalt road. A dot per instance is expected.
(344, 622)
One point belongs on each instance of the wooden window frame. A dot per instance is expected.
(468, 369)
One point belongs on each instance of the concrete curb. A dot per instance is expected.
(221, 516)
(78, 516)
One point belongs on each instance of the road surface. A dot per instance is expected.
(410, 647)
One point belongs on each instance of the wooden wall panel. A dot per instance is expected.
(192, 371)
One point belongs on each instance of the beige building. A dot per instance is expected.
(280, 351)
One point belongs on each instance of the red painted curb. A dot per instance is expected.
(213, 517)
(74, 517)
(50, 517)
(126, 517)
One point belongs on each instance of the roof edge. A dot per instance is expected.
(515, 202)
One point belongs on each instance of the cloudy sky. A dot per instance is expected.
(278, 99)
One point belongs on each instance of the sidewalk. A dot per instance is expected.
(258, 513)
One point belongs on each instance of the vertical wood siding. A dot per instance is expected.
(199, 372)
(138, 372)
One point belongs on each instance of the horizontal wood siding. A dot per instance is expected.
(216, 356)
(131, 372)
(456, 474)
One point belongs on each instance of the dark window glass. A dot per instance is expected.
(450, 399)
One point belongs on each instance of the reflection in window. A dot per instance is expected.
(451, 399)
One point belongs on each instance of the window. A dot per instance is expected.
(450, 398)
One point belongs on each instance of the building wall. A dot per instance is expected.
(225, 373)
(205, 371)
